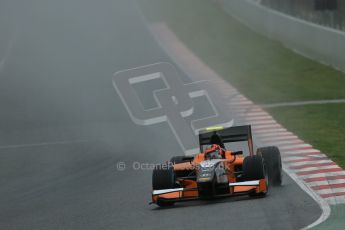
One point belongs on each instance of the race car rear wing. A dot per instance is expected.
(226, 135)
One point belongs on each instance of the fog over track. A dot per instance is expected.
(63, 129)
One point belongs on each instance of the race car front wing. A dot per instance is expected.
(186, 194)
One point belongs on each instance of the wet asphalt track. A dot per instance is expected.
(56, 92)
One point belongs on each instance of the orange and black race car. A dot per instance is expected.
(218, 171)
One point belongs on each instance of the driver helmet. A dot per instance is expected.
(214, 152)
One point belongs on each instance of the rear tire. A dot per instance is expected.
(273, 163)
(163, 177)
(253, 169)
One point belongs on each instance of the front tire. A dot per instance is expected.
(163, 177)
(254, 169)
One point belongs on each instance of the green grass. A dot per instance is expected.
(323, 126)
(261, 69)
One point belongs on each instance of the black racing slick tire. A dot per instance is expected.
(163, 177)
(254, 169)
(273, 164)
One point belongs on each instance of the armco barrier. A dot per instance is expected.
(317, 42)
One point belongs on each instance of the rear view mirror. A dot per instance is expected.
(237, 153)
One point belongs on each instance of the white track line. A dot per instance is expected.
(301, 103)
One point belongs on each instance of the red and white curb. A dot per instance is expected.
(314, 168)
